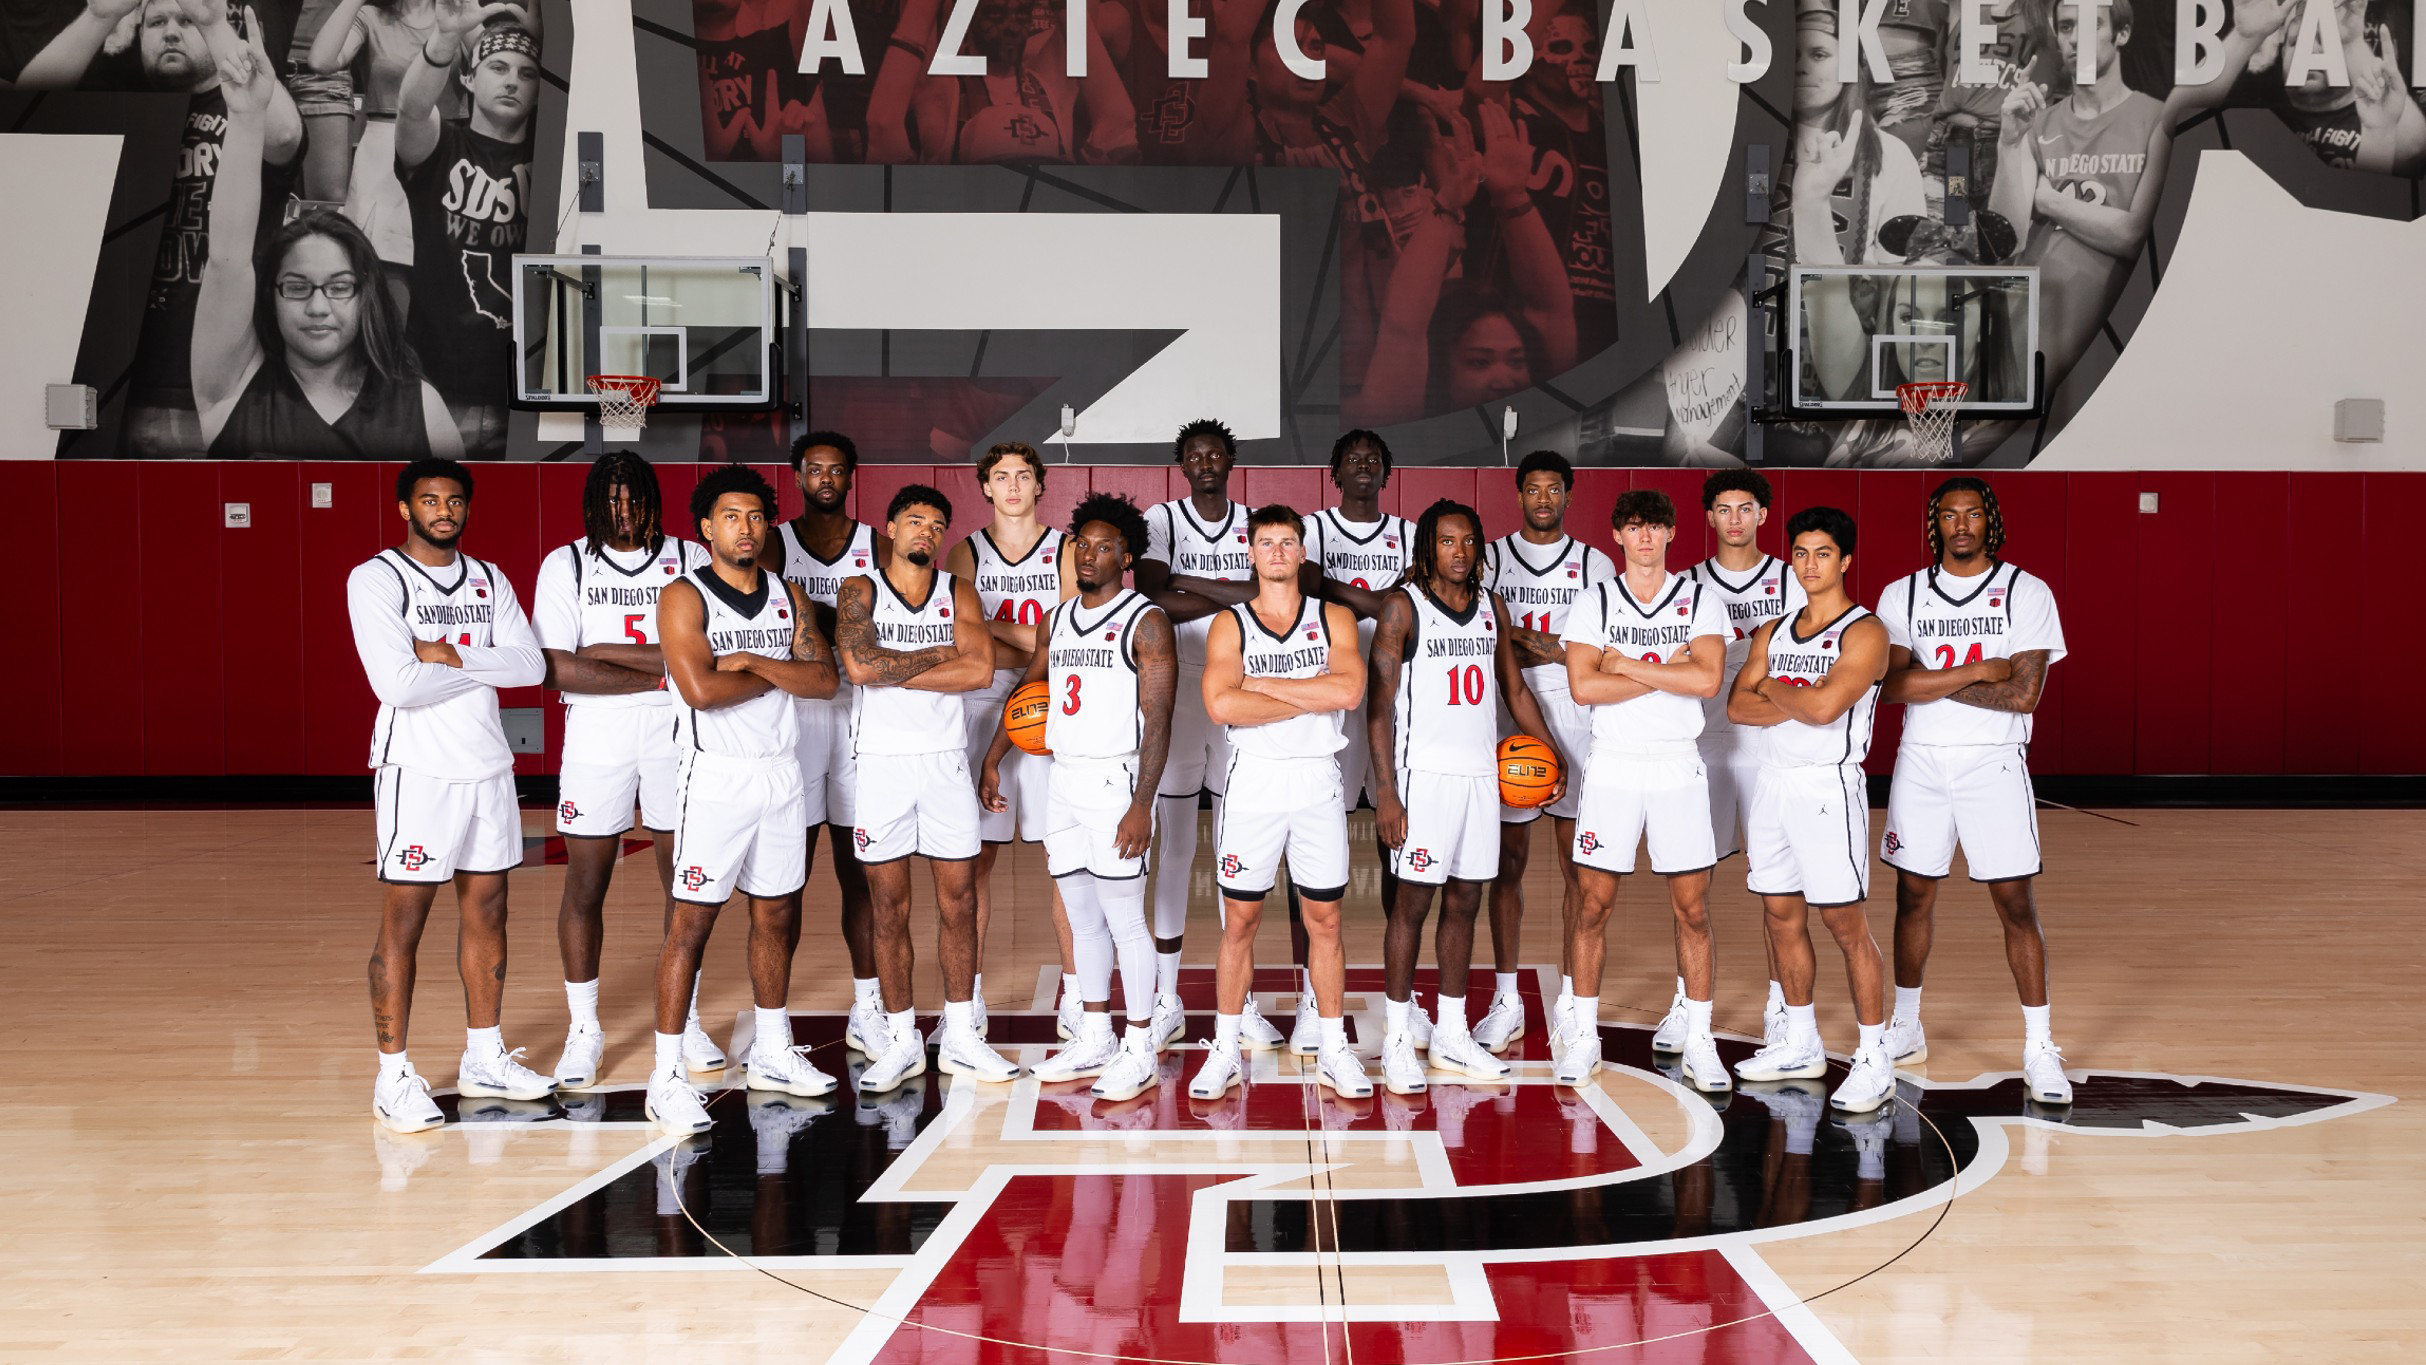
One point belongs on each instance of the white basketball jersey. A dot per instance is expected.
(1751, 600)
(1176, 537)
(1023, 590)
(462, 736)
(902, 720)
(1541, 582)
(1804, 660)
(608, 598)
(1680, 611)
(820, 580)
(1448, 689)
(767, 726)
(1361, 554)
(1946, 621)
(1091, 672)
(1301, 651)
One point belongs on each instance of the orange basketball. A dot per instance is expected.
(1528, 772)
(1023, 714)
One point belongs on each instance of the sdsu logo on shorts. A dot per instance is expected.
(693, 877)
(860, 837)
(567, 812)
(1232, 865)
(1420, 859)
(412, 858)
(1587, 841)
(1894, 844)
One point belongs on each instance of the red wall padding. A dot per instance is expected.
(228, 651)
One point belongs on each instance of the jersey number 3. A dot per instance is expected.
(1069, 703)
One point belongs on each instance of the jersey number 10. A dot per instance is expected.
(1466, 685)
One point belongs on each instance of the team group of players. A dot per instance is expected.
(771, 677)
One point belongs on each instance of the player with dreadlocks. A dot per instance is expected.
(596, 617)
(1970, 641)
(1443, 657)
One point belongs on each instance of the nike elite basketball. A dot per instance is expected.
(1023, 715)
(1528, 772)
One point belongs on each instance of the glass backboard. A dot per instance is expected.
(1861, 330)
(703, 326)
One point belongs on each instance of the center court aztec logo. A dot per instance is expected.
(1515, 1218)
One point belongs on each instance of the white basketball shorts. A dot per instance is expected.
(1976, 796)
(1295, 812)
(1085, 799)
(1022, 773)
(1200, 750)
(429, 828)
(1452, 828)
(738, 829)
(1808, 834)
(1662, 799)
(916, 803)
(1733, 763)
(1571, 726)
(828, 768)
(614, 755)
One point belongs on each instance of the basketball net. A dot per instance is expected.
(1929, 410)
(624, 399)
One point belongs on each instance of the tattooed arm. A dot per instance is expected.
(1157, 684)
(1910, 680)
(2018, 692)
(809, 673)
(868, 663)
(1381, 715)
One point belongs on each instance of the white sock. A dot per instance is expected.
(774, 1030)
(693, 1017)
(1802, 1021)
(1305, 982)
(392, 1065)
(2034, 1025)
(1096, 1025)
(1138, 1036)
(977, 980)
(1680, 988)
(1870, 1034)
(1452, 1013)
(483, 1042)
(1586, 1012)
(669, 1055)
(959, 1014)
(1394, 1012)
(1566, 988)
(865, 990)
(1335, 1031)
(1166, 973)
(1069, 986)
(900, 1023)
(1504, 982)
(1908, 1004)
(1225, 1030)
(1777, 997)
(1697, 1017)
(581, 1001)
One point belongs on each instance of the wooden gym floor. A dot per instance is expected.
(188, 1064)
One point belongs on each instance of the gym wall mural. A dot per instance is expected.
(317, 200)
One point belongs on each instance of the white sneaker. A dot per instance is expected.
(1561, 1010)
(1670, 1036)
(1904, 1043)
(1069, 1016)
(501, 1077)
(1169, 1020)
(1794, 1059)
(1400, 1071)
(1255, 1033)
(868, 1031)
(1419, 1026)
(2043, 1069)
(1344, 1072)
(1578, 1056)
(1306, 1030)
(1460, 1051)
(1701, 1067)
(1503, 1024)
(1087, 1055)
(1133, 1071)
(584, 1049)
(675, 1105)
(787, 1069)
(1775, 1024)
(402, 1103)
(904, 1056)
(964, 1052)
(699, 1052)
(1870, 1084)
(1222, 1069)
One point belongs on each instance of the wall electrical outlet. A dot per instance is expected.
(324, 495)
(236, 516)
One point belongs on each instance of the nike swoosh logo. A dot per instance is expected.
(2045, 138)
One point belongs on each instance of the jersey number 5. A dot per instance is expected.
(633, 632)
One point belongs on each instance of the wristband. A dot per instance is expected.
(441, 65)
(907, 46)
(1523, 207)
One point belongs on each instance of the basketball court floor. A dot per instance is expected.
(187, 1127)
